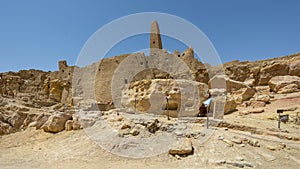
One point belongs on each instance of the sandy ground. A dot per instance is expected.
(74, 149)
(37, 149)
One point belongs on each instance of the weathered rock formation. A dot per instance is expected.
(162, 83)
(259, 71)
(56, 122)
(38, 88)
(284, 84)
(181, 148)
(166, 96)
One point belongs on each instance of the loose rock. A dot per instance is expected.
(183, 147)
(254, 143)
(56, 123)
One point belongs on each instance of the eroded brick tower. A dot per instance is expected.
(155, 39)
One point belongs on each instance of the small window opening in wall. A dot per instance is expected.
(141, 63)
(69, 74)
(183, 54)
(153, 42)
(63, 70)
(178, 55)
(146, 63)
(125, 81)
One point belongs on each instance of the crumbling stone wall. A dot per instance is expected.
(39, 88)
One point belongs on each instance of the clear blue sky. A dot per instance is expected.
(36, 34)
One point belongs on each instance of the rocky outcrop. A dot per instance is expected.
(263, 98)
(161, 96)
(25, 84)
(17, 119)
(41, 120)
(237, 71)
(14, 118)
(37, 88)
(230, 105)
(259, 72)
(60, 91)
(294, 69)
(243, 94)
(30, 117)
(55, 90)
(284, 84)
(267, 72)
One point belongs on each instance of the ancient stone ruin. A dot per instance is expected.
(167, 84)
(152, 106)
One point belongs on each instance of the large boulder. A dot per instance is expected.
(269, 71)
(263, 98)
(237, 71)
(159, 96)
(263, 90)
(230, 105)
(295, 68)
(56, 122)
(243, 94)
(284, 84)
